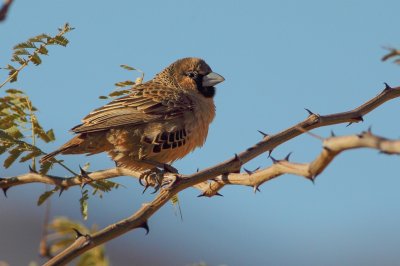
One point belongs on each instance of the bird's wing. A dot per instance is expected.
(147, 103)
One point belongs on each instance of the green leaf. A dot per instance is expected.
(14, 133)
(102, 186)
(175, 199)
(30, 155)
(43, 50)
(39, 38)
(60, 40)
(103, 97)
(62, 236)
(50, 135)
(39, 131)
(14, 73)
(6, 136)
(14, 154)
(176, 205)
(16, 58)
(86, 166)
(22, 51)
(66, 28)
(14, 91)
(63, 225)
(3, 148)
(42, 135)
(95, 256)
(127, 67)
(125, 83)
(36, 59)
(9, 67)
(45, 196)
(119, 93)
(45, 167)
(27, 44)
(84, 204)
(7, 121)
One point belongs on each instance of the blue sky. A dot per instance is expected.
(278, 57)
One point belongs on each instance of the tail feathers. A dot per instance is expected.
(80, 144)
(69, 147)
(49, 156)
(64, 149)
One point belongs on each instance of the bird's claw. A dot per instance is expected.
(155, 177)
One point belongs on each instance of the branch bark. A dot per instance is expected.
(222, 172)
(332, 147)
(34, 177)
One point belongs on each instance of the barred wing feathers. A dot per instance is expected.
(147, 103)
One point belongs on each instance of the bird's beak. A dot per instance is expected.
(212, 79)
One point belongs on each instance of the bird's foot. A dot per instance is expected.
(155, 177)
(151, 177)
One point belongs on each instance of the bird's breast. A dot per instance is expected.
(198, 122)
(171, 140)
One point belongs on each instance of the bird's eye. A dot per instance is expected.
(192, 74)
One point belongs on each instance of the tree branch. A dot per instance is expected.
(393, 54)
(332, 147)
(35, 177)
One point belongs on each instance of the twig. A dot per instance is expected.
(139, 219)
(332, 147)
(393, 53)
(35, 53)
(34, 177)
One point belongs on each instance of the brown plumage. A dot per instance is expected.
(161, 121)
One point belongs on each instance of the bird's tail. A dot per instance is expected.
(51, 155)
(80, 144)
(68, 148)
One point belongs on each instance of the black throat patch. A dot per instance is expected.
(207, 92)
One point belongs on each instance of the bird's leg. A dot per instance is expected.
(156, 174)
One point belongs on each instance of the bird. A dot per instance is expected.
(157, 123)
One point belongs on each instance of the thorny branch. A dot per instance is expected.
(224, 173)
(35, 177)
(78, 180)
(393, 54)
(332, 147)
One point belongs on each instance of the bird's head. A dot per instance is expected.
(192, 74)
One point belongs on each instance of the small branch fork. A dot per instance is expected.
(227, 171)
